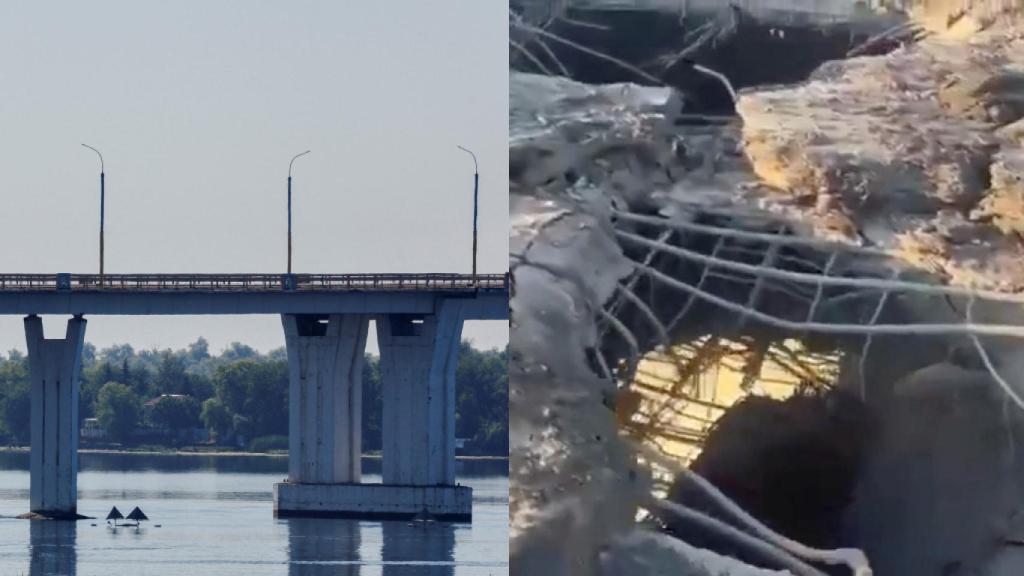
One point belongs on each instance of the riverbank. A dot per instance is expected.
(185, 452)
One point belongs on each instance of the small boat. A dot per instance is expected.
(114, 515)
(137, 515)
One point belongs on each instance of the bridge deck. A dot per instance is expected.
(485, 296)
(251, 282)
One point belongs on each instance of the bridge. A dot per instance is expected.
(418, 317)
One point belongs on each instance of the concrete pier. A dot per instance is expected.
(418, 356)
(54, 367)
(325, 367)
(373, 501)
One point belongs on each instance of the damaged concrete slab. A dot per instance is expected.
(819, 297)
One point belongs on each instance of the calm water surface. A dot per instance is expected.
(216, 517)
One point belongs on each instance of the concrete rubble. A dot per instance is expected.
(917, 154)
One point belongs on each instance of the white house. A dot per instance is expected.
(92, 430)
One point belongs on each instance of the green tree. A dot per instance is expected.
(493, 438)
(106, 373)
(126, 372)
(481, 384)
(372, 405)
(118, 409)
(216, 417)
(256, 391)
(93, 378)
(243, 391)
(175, 413)
(16, 406)
(88, 354)
(116, 354)
(198, 351)
(238, 351)
(15, 398)
(170, 375)
(200, 384)
(117, 363)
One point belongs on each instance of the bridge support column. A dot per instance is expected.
(325, 366)
(418, 356)
(325, 369)
(54, 367)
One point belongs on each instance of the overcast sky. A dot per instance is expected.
(198, 107)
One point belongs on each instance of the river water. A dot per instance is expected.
(215, 516)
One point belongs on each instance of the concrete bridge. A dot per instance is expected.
(419, 320)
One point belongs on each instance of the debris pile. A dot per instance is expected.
(874, 212)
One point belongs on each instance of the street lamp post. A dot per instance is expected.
(290, 209)
(476, 189)
(102, 202)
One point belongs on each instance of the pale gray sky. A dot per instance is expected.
(197, 107)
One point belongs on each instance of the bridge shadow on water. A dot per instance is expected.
(418, 549)
(52, 547)
(322, 547)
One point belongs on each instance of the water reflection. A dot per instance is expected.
(418, 548)
(316, 547)
(321, 547)
(52, 548)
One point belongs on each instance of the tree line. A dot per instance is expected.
(239, 395)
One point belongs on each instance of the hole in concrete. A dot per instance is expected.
(664, 45)
(815, 434)
(792, 463)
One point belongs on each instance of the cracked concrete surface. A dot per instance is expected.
(914, 152)
(918, 153)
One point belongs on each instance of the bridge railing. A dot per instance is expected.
(251, 282)
(28, 281)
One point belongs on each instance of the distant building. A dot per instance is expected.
(92, 430)
(152, 402)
